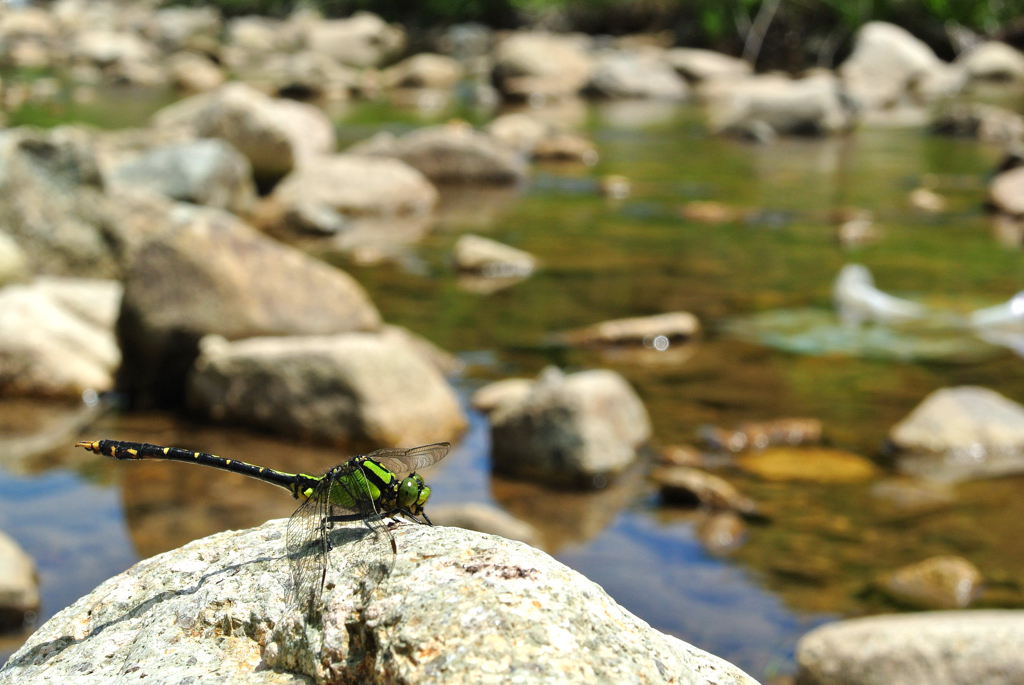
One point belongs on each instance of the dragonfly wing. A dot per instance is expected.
(308, 546)
(378, 557)
(401, 459)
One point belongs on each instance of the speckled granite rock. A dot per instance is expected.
(459, 607)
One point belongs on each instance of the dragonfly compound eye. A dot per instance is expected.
(409, 491)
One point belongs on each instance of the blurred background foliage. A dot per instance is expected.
(801, 33)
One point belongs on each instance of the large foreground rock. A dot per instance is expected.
(577, 429)
(212, 273)
(276, 135)
(938, 648)
(452, 153)
(459, 607)
(57, 337)
(362, 388)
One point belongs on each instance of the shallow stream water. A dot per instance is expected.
(84, 518)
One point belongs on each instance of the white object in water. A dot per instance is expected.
(1009, 313)
(858, 300)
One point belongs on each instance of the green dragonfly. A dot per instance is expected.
(364, 488)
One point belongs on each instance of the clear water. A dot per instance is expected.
(84, 519)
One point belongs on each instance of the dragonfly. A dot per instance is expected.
(365, 488)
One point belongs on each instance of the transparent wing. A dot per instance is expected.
(308, 544)
(401, 459)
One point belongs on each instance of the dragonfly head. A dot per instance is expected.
(413, 493)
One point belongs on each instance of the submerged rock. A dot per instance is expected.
(937, 647)
(722, 532)
(353, 388)
(576, 429)
(938, 583)
(57, 337)
(458, 607)
(808, 464)
(685, 485)
(19, 585)
(657, 331)
(764, 434)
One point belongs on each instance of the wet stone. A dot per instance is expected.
(944, 582)
(684, 485)
(808, 464)
(722, 532)
(791, 432)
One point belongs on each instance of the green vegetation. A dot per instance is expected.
(799, 32)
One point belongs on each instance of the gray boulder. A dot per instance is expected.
(57, 337)
(361, 388)
(808, 106)
(944, 582)
(19, 585)
(354, 185)
(52, 203)
(193, 72)
(706, 65)
(938, 648)
(362, 40)
(889, 68)
(451, 153)
(206, 172)
(538, 65)
(459, 607)
(962, 432)
(575, 429)
(212, 273)
(276, 135)
(1006, 191)
(424, 70)
(621, 75)
(992, 61)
